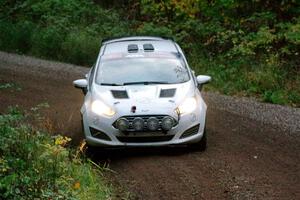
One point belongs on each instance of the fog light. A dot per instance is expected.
(138, 124)
(122, 124)
(152, 123)
(167, 123)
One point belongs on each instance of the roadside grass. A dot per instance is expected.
(12, 86)
(266, 81)
(35, 165)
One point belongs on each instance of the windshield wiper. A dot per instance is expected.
(145, 83)
(111, 84)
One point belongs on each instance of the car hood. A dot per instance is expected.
(148, 99)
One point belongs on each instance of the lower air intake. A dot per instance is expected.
(99, 134)
(191, 131)
(145, 139)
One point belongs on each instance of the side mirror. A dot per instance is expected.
(81, 84)
(203, 79)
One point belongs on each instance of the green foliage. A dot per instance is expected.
(16, 37)
(151, 29)
(34, 165)
(80, 47)
(68, 30)
(249, 47)
(10, 86)
(47, 41)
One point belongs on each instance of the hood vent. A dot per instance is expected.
(119, 94)
(165, 93)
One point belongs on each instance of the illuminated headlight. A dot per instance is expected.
(188, 105)
(100, 108)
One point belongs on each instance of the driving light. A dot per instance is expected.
(100, 108)
(138, 124)
(152, 123)
(122, 124)
(167, 123)
(188, 105)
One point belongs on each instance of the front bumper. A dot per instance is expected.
(174, 136)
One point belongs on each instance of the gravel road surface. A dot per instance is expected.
(253, 148)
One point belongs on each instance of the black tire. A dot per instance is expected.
(201, 145)
(82, 128)
(91, 151)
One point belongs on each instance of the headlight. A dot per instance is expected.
(100, 108)
(188, 105)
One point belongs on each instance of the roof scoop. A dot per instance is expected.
(132, 48)
(148, 47)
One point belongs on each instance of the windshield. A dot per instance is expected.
(128, 71)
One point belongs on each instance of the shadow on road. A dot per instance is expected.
(104, 154)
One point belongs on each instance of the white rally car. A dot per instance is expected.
(141, 92)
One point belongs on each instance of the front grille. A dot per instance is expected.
(99, 134)
(191, 131)
(145, 118)
(145, 139)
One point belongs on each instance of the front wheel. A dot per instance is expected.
(202, 144)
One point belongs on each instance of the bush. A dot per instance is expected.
(46, 42)
(80, 47)
(151, 29)
(69, 31)
(35, 165)
(16, 37)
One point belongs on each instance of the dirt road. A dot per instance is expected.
(245, 159)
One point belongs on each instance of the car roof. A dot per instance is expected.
(120, 45)
(134, 38)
